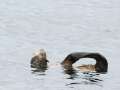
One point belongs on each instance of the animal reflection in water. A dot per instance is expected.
(39, 61)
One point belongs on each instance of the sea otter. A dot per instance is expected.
(100, 66)
(39, 59)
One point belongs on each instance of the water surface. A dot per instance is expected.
(60, 27)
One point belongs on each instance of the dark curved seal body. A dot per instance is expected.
(39, 59)
(101, 62)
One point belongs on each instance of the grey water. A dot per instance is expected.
(60, 27)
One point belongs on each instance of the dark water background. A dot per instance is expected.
(60, 27)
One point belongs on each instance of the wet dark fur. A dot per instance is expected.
(37, 63)
(101, 62)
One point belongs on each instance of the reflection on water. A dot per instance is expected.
(87, 82)
(77, 77)
(72, 72)
(84, 78)
(40, 70)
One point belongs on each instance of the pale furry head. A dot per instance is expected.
(40, 53)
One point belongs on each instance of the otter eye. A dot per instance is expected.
(42, 54)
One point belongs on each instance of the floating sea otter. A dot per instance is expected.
(100, 66)
(39, 59)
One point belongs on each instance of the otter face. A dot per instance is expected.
(41, 54)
